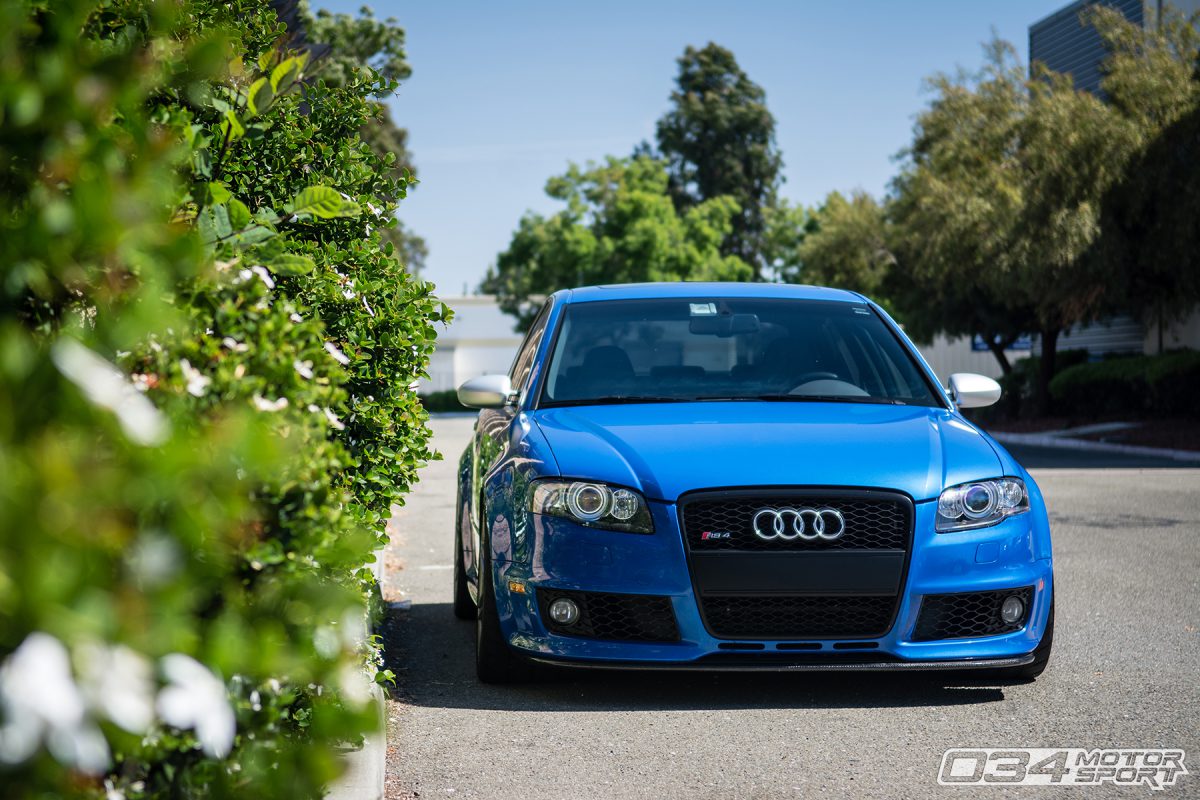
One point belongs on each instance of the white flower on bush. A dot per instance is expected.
(355, 685)
(333, 420)
(354, 630)
(262, 273)
(40, 702)
(329, 415)
(119, 683)
(106, 386)
(296, 318)
(234, 345)
(337, 353)
(263, 404)
(195, 699)
(197, 381)
(304, 368)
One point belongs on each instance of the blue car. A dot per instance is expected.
(738, 477)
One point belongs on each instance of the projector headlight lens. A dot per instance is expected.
(980, 503)
(593, 504)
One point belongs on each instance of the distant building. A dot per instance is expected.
(479, 341)
(1064, 43)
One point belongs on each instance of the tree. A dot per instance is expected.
(847, 246)
(719, 140)
(1148, 218)
(787, 226)
(619, 226)
(365, 42)
(1073, 149)
(955, 205)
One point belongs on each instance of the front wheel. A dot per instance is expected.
(495, 660)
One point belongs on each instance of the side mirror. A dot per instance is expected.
(969, 390)
(486, 391)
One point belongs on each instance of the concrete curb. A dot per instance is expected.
(367, 766)
(1052, 440)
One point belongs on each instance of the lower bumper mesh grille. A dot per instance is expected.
(619, 617)
(775, 617)
(969, 614)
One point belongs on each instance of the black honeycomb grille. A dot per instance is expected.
(619, 617)
(774, 617)
(871, 523)
(970, 614)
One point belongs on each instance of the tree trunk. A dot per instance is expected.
(1044, 405)
(998, 350)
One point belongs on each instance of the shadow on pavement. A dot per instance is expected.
(433, 657)
(1031, 457)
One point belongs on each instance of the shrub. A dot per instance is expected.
(1163, 384)
(205, 415)
(446, 400)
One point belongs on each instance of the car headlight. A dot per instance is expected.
(980, 503)
(595, 505)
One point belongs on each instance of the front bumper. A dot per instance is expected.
(570, 557)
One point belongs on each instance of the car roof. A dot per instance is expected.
(648, 291)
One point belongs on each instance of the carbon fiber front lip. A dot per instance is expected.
(866, 666)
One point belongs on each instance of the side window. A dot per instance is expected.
(523, 363)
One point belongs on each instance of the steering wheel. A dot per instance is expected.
(816, 376)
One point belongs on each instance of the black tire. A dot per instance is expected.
(495, 660)
(1041, 656)
(464, 606)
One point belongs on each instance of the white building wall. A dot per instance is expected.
(949, 355)
(479, 341)
(1177, 335)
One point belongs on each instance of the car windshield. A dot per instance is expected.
(732, 348)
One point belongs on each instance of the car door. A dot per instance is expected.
(493, 433)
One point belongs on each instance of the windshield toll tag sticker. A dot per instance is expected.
(703, 309)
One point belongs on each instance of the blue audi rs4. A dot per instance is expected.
(738, 477)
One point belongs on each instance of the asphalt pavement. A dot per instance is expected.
(1125, 673)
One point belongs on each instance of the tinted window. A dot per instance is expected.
(730, 348)
(523, 363)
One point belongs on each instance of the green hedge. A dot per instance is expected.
(446, 400)
(1164, 384)
(205, 415)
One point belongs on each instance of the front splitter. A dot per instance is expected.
(776, 666)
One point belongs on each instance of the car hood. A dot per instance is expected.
(667, 449)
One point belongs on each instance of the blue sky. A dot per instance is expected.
(504, 94)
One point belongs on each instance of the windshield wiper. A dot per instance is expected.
(615, 400)
(810, 398)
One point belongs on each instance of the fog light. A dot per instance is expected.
(564, 611)
(1012, 609)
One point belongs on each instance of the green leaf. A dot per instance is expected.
(323, 203)
(219, 193)
(253, 235)
(239, 215)
(214, 223)
(291, 264)
(231, 127)
(287, 73)
(202, 163)
(258, 97)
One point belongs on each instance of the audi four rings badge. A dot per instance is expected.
(808, 524)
